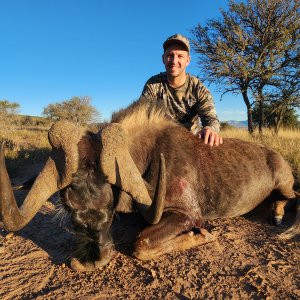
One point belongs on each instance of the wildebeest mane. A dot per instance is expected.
(142, 113)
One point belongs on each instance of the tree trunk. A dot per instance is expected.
(278, 121)
(261, 117)
(261, 120)
(249, 111)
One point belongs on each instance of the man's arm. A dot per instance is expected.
(207, 113)
(150, 90)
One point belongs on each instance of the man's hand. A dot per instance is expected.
(211, 137)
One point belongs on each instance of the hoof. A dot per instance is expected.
(277, 220)
(142, 250)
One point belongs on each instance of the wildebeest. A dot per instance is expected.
(144, 161)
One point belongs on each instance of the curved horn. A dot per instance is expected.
(14, 218)
(55, 175)
(64, 137)
(120, 169)
(153, 213)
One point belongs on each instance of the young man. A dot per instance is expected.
(184, 96)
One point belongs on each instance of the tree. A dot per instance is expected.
(251, 45)
(8, 108)
(280, 103)
(7, 111)
(277, 116)
(77, 109)
(226, 126)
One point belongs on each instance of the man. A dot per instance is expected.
(184, 96)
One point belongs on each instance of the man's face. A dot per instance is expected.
(176, 58)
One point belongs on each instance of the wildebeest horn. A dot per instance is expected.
(56, 174)
(120, 169)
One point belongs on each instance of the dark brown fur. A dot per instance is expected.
(203, 182)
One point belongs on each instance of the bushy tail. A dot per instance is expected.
(294, 230)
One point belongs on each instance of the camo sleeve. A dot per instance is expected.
(206, 107)
(148, 91)
(151, 88)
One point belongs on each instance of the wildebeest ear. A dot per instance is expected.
(118, 165)
(64, 137)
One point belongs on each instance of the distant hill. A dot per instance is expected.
(238, 124)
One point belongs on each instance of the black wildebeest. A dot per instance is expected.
(144, 161)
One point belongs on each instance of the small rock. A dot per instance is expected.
(153, 273)
(9, 236)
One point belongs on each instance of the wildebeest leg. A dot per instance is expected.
(286, 194)
(172, 233)
(278, 211)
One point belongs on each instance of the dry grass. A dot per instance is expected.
(25, 138)
(24, 147)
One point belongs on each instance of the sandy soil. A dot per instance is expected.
(248, 261)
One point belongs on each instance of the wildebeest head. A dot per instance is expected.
(112, 167)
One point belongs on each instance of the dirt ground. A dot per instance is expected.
(248, 261)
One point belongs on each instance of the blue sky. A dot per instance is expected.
(53, 50)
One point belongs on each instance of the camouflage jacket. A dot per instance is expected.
(186, 103)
